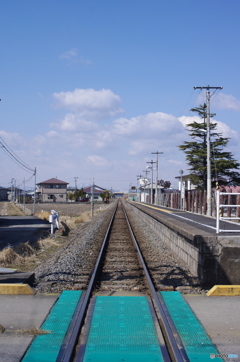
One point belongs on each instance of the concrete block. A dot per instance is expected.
(226, 290)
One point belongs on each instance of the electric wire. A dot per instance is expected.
(13, 156)
(17, 163)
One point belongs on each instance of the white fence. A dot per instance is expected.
(220, 212)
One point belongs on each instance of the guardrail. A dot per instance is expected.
(219, 212)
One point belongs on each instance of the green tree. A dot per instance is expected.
(70, 196)
(79, 194)
(224, 167)
(105, 195)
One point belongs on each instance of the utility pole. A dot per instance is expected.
(138, 178)
(152, 162)
(209, 176)
(156, 195)
(24, 195)
(146, 172)
(12, 188)
(181, 190)
(15, 190)
(75, 178)
(92, 203)
(34, 201)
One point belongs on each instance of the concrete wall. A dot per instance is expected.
(214, 259)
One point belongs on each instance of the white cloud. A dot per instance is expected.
(89, 102)
(185, 120)
(79, 146)
(221, 101)
(227, 131)
(69, 54)
(226, 101)
(151, 124)
(74, 122)
(221, 127)
(103, 139)
(72, 56)
(12, 139)
(141, 146)
(98, 161)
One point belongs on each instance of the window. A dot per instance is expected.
(50, 197)
(51, 186)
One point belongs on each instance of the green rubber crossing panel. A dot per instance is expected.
(122, 329)
(45, 348)
(197, 343)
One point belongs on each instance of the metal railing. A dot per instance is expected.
(219, 212)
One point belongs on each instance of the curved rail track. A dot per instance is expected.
(121, 266)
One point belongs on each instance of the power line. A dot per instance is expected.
(14, 157)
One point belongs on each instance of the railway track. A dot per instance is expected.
(121, 267)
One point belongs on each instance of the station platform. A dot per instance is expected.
(213, 257)
(21, 315)
(204, 223)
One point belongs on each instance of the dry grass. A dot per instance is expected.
(9, 209)
(46, 243)
(24, 249)
(35, 331)
(8, 256)
(26, 256)
(44, 215)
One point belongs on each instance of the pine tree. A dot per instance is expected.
(224, 167)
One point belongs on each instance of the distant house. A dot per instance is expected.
(3, 194)
(14, 193)
(117, 195)
(95, 190)
(71, 189)
(52, 190)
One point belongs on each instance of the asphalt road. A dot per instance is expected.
(19, 229)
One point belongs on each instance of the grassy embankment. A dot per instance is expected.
(26, 256)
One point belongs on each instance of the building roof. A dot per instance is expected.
(96, 189)
(53, 181)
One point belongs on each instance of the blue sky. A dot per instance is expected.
(90, 88)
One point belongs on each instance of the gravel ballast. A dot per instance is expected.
(75, 260)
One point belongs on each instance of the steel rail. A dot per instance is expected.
(70, 340)
(174, 344)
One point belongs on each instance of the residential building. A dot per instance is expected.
(96, 191)
(3, 194)
(52, 190)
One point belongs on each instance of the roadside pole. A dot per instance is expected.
(92, 203)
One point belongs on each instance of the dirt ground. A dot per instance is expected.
(69, 209)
